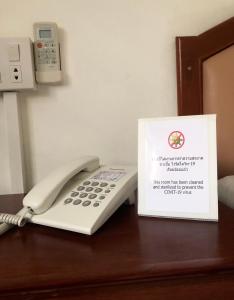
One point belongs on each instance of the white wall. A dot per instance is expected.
(119, 65)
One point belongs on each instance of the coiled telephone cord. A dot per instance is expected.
(9, 220)
(12, 219)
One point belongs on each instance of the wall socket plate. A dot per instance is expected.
(16, 64)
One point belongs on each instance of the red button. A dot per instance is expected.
(39, 45)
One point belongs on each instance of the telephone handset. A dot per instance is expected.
(79, 196)
(41, 197)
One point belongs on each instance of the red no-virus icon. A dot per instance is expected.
(176, 139)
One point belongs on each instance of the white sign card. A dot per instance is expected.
(177, 167)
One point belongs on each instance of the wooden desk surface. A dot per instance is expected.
(130, 257)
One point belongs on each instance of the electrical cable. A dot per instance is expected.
(20, 219)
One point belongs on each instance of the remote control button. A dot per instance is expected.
(92, 196)
(95, 183)
(112, 185)
(102, 197)
(80, 188)
(103, 184)
(96, 204)
(107, 191)
(39, 45)
(74, 194)
(86, 182)
(68, 200)
(76, 202)
(86, 203)
(97, 190)
(83, 195)
(89, 189)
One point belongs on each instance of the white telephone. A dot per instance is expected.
(79, 196)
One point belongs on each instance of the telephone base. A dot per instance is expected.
(90, 198)
(132, 198)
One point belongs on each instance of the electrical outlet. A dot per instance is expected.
(16, 64)
(15, 74)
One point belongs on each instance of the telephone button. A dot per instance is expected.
(76, 202)
(68, 200)
(102, 197)
(112, 185)
(89, 189)
(80, 188)
(74, 194)
(107, 191)
(97, 190)
(86, 183)
(92, 196)
(96, 204)
(95, 183)
(86, 203)
(103, 184)
(83, 195)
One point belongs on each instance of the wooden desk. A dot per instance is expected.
(130, 257)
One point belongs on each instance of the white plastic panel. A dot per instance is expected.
(16, 64)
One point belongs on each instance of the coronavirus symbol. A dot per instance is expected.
(176, 139)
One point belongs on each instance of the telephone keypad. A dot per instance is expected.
(90, 190)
